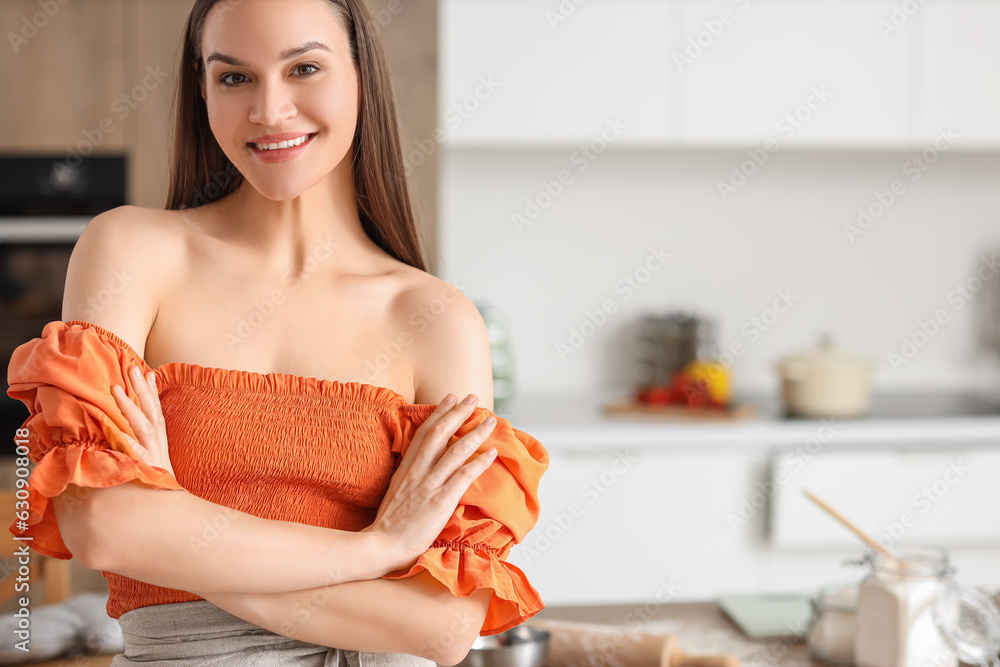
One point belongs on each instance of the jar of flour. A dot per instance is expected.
(912, 613)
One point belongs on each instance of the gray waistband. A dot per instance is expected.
(199, 633)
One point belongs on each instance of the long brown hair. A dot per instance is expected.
(200, 172)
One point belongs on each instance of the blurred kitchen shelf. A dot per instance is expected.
(679, 413)
(905, 420)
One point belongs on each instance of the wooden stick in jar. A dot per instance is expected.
(850, 526)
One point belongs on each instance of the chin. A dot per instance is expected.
(280, 191)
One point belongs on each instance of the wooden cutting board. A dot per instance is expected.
(679, 412)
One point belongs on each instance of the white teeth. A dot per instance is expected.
(282, 144)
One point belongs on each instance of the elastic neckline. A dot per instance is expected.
(189, 373)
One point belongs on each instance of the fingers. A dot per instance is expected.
(434, 436)
(149, 399)
(440, 425)
(463, 478)
(411, 452)
(142, 418)
(461, 450)
(128, 408)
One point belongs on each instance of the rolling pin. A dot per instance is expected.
(573, 644)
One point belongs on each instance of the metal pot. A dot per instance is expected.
(521, 646)
(825, 382)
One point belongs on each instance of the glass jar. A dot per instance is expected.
(831, 629)
(912, 613)
(501, 354)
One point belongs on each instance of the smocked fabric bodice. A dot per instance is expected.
(278, 446)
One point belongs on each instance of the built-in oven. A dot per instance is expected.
(45, 202)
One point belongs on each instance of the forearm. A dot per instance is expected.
(417, 615)
(177, 540)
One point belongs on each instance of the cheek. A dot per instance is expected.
(338, 109)
(224, 118)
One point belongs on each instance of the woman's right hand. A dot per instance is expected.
(429, 483)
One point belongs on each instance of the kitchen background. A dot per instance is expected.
(788, 168)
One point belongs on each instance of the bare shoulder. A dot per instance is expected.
(451, 347)
(120, 266)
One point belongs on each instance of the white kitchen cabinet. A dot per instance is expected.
(961, 59)
(946, 496)
(820, 73)
(625, 524)
(527, 72)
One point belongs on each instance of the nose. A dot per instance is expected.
(272, 104)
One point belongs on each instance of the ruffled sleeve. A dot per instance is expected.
(496, 512)
(74, 433)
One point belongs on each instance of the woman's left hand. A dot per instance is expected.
(148, 422)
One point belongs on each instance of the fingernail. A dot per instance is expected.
(470, 399)
(490, 420)
(449, 399)
(116, 389)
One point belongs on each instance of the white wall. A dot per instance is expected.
(783, 229)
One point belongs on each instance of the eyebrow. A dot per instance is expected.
(284, 55)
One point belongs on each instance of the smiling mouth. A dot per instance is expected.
(266, 148)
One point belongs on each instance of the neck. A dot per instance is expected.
(318, 230)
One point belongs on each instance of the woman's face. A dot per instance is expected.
(280, 67)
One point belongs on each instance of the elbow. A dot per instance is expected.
(74, 514)
(462, 623)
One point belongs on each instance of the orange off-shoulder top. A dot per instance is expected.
(274, 445)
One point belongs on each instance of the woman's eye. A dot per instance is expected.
(224, 78)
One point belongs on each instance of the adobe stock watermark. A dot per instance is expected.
(922, 501)
(899, 16)
(794, 461)
(627, 286)
(562, 522)
(582, 158)
(383, 17)
(915, 167)
(740, 174)
(753, 329)
(454, 116)
(711, 30)
(265, 307)
(30, 26)
(122, 106)
(418, 322)
(928, 329)
(604, 646)
(563, 11)
(95, 303)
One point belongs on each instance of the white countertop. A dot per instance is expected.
(565, 422)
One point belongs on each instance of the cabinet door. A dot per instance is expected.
(822, 73)
(634, 524)
(945, 497)
(961, 60)
(524, 71)
(62, 74)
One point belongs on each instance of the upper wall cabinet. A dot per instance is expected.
(961, 63)
(523, 71)
(827, 74)
(800, 72)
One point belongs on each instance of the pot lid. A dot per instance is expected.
(825, 358)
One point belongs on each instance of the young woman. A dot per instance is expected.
(321, 499)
